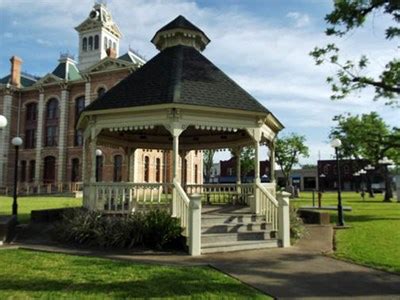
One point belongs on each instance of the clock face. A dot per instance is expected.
(94, 14)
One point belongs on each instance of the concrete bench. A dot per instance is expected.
(314, 217)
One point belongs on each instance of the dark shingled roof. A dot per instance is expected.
(178, 74)
(180, 22)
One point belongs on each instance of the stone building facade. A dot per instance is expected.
(43, 111)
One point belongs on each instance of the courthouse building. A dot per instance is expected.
(43, 111)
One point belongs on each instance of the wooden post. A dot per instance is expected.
(283, 219)
(195, 225)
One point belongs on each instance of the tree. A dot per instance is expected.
(246, 160)
(288, 151)
(208, 161)
(369, 137)
(352, 75)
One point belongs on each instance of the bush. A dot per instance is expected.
(155, 229)
(297, 228)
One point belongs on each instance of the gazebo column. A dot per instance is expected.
(237, 151)
(255, 133)
(175, 131)
(272, 161)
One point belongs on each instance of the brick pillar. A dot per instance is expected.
(62, 140)
(5, 137)
(39, 140)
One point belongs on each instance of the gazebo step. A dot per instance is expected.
(238, 246)
(220, 219)
(211, 238)
(234, 228)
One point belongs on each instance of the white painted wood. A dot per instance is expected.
(195, 225)
(284, 219)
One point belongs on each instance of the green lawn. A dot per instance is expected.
(374, 236)
(27, 274)
(27, 204)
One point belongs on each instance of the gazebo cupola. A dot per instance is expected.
(180, 32)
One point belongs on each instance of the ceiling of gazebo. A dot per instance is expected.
(158, 137)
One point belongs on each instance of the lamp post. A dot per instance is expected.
(99, 153)
(321, 188)
(369, 168)
(3, 121)
(17, 142)
(336, 143)
(362, 173)
(385, 162)
(356, 175)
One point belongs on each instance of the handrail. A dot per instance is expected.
(181, 192)
(267, 193)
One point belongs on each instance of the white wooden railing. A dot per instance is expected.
(222, 193)
(268, 205)
(118, 197)
(28, 188)
(182, 203)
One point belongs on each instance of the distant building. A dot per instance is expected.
(228, 171)
(304, 179)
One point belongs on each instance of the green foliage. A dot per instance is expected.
(208, 161)
(155, 229)
(367, 136)
(246, 160)
(288, 150)
(37, 275)
(352, 75)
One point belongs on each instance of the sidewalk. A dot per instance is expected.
(299, 272)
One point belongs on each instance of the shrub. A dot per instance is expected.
(154, 229)
(297, 228)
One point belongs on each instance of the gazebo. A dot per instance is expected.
(180, 101)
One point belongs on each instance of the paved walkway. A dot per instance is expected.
(299, 272)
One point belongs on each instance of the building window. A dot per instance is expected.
(49, 174)
(99, 168)
(109, 43)
(32, 167)
(115, 46)
(90, 43)
(117, 168)
(30, 125)
(196, 171)
(158, 170)
(75, 170)
(100, 92)
(23, 171)
(84, 44)
(79, 107)
(146, 168)
(51, 132)
(96, 42)
(184, 169)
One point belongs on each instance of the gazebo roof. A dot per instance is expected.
(181, 75)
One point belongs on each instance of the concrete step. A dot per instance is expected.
(220, 219)
(235, 237)
(238, 246)
(232, 228)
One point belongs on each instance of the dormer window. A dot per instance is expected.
(84, 44)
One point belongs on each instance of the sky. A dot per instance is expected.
(262, 44)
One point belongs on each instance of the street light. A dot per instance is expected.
(99, 154)
(369, 168)
(17, 142)
(336, 143)
(385, 162)
(321, 188)
(3, 121)
(362, 172)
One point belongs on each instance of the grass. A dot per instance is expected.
(27, 274)
(27, 204)
(374, 236)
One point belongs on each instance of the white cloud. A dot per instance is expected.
(8, 35)
(299, 19)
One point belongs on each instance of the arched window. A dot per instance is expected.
(30, 125)
(146, 169)
(90, 43)
(114, 46)
(51, 123)
(109, 43)
(49, 174)
(23, 171)
(196, 171)
(79, 107)
(158, 170)
(117, 168)
(96, 42)
(184, 170)
(105, 43)
(99, 168)
(31, 174)
(100, 92)
(75, 170)
(84, 44)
